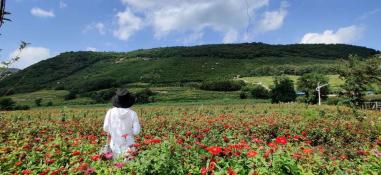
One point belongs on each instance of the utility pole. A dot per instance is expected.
(318, 90)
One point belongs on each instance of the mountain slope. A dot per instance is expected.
(86, 71)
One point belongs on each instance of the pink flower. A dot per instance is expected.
(125, 136)
(90, 171)
(119, 165)
(108, 155)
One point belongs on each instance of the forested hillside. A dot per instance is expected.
(87, 71)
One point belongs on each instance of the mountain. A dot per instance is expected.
(88, 71)
(9, 71)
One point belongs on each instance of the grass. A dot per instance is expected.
(54, 96)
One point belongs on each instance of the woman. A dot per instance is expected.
(121, 123)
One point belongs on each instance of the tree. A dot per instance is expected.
(3, 13)
(308, 83)
(7, 104)
(358, 74)
(283, 90)
(4, 65)
(260, 92)
(38, 101)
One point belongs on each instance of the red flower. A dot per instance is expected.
(18, 163)
(49, 161)
(137, 145)
(76, 153)
(267, 153)
(281, 140)
(231, 171)
(297, 156)
(26, 171)
(271, 144)
(307, 151)
(212, 166)
(251, 154)
(96, 158)
(214, 150)
(151, 141)
(204, 170)
(362, 153)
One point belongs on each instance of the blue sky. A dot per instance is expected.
(55, 26)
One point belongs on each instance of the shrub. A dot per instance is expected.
(38, 101)
(308, 83)
(243, 95)
(7, 104)
(21, 107)
(50, 103)
(72, 95)
(102, 96)
(283, 90)
(260, 92)
(226, 85)
(145, 96)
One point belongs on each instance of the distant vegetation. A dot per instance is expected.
(89, 71)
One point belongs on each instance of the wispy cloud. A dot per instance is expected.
(39, 12)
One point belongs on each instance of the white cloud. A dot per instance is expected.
(345, 35)
(230, 37)
(128, 24)
(100, 27)
(63, 5)
(273, 20)
(187, 16)
(192, 38)
(93, 49)
(36, 11)
(29, 56)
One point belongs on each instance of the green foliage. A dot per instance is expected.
(103, 70)
(243, 95)
(252, 50)
(308, 83)
(49, 103)
(260, 92)
(72, 95)
(283, 90)
(269, 70)
(224, 85)
(38, 101)
(145, 96)
(358, 75)
(7, 104)
(160, 159)
(102, 96)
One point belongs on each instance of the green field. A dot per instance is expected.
(267, 81)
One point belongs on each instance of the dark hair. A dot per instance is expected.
(123, 99)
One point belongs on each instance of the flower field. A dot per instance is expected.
(190, 139)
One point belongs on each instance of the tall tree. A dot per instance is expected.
(308, 83)
(283, 90)
(358, 74)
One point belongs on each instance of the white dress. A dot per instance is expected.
(122, 124)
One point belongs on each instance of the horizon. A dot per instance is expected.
(125, 25)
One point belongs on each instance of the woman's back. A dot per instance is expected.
(122, 124)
